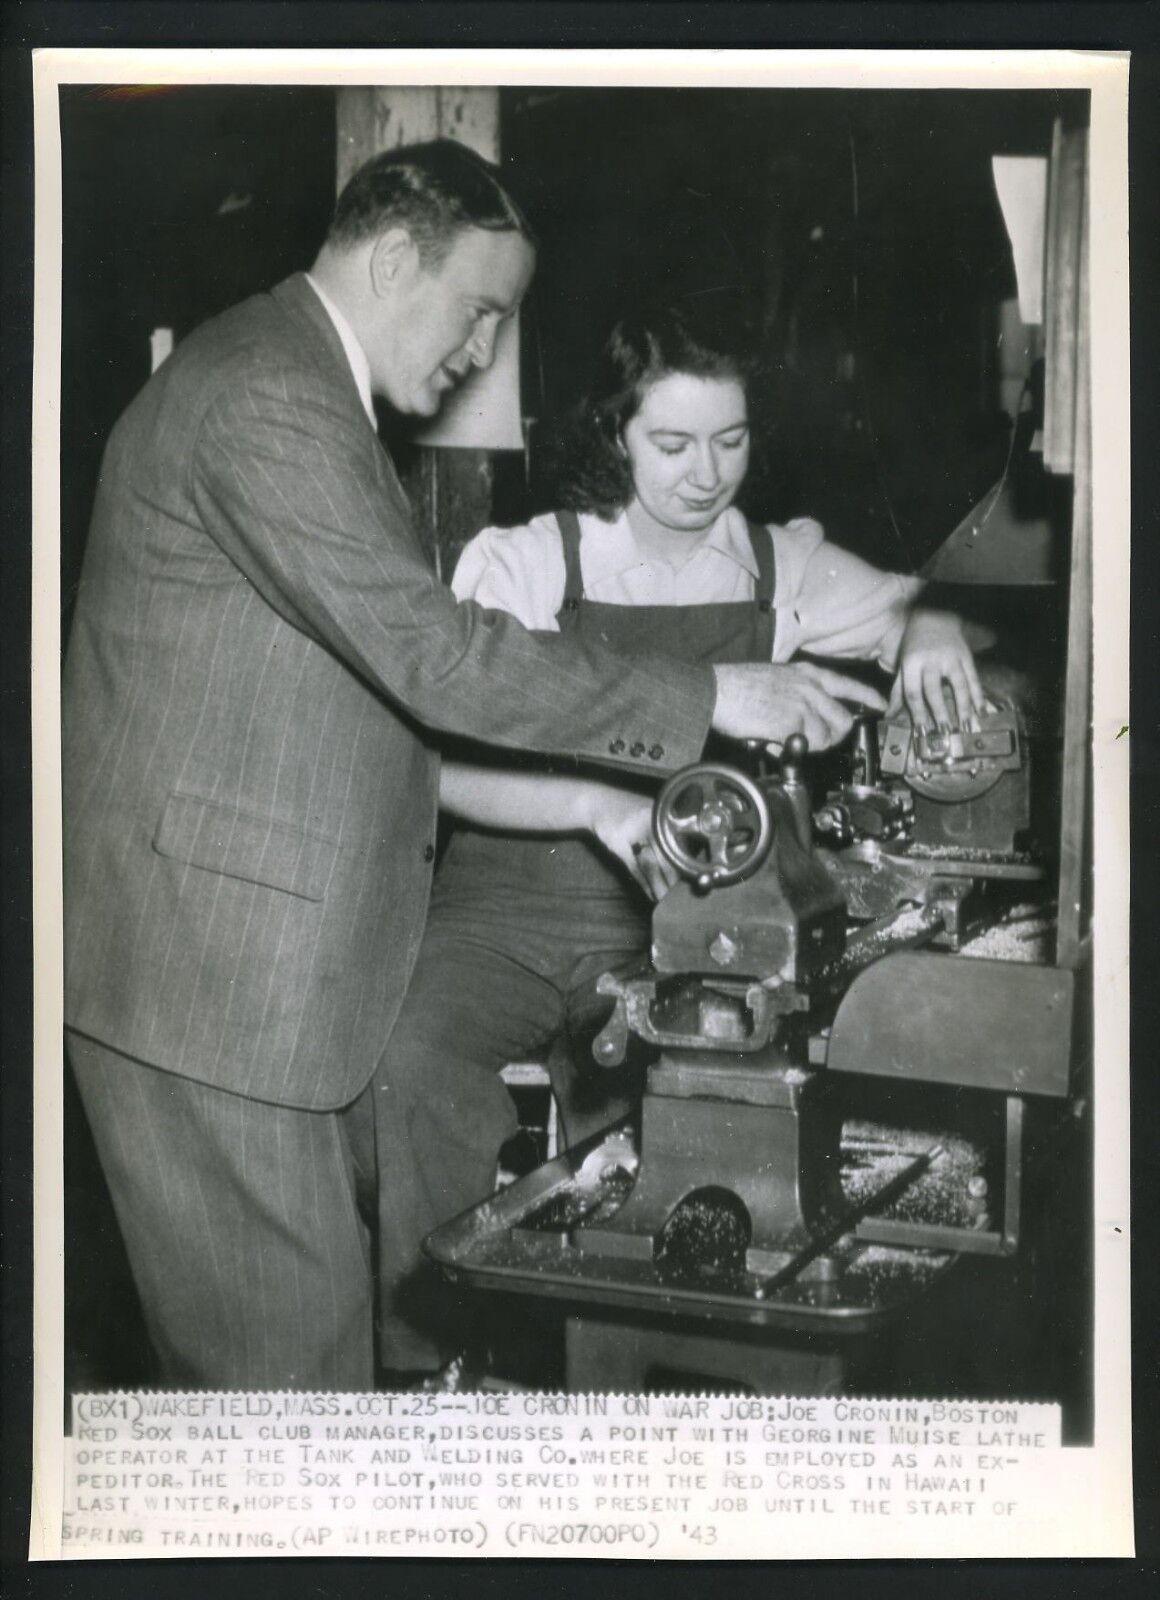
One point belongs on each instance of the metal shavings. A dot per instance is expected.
(872, 1154)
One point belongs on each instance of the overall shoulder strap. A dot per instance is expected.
(569, 525)
(766, 587)
(762, 541)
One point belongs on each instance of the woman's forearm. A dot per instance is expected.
(529, 802)
(937, 600)
(525, 802)
(978, 635)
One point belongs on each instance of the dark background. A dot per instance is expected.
(862, 227)
(974, 23)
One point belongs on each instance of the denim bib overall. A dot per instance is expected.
(520, 927)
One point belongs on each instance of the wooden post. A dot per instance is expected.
(1073, 444)
(450, 490)
(1065, 310)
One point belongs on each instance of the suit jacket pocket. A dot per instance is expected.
(245, 845)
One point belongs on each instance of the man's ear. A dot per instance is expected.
(393, 253)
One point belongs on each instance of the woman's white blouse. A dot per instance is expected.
(827, 601)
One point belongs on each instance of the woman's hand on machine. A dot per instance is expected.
(770, 703)
(935, 655)
(622, 822)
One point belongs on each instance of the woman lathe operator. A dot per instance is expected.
(549, 885)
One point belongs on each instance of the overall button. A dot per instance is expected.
(428, 852)
(616, 746)
(657, 751)
(637, 749)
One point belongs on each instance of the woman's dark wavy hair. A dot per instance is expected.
(700, 336)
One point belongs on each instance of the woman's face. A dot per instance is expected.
(688, 446)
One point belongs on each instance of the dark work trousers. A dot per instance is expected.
(226, 1203)
(497, 980)
(519, 930)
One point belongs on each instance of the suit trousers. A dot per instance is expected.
(246, 1225)
(500, 975)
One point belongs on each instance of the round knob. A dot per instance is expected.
(793, 756)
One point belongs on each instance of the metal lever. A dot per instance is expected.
(793, 758)
(867, 768)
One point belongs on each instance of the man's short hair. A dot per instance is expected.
(434, 190)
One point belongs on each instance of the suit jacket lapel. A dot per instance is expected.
(303, 306)
(309, 315)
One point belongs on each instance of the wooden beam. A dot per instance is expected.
(1074, 819)
(1064, 307)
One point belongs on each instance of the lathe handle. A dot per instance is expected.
(796, 790)
(758, 751)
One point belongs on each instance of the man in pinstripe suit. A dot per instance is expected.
(250, 788)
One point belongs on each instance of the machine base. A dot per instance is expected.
(744, 1152)
(613, 1356)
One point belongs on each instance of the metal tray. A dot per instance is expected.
(496, 1246)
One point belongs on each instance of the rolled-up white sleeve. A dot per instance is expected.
(517, 570)
(833, 603)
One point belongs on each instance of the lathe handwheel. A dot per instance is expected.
(713, 824)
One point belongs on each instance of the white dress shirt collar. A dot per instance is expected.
(610, 549)
(355, 354)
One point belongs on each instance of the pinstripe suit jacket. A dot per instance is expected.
(258, 649)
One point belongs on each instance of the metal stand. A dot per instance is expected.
(752, 1126)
